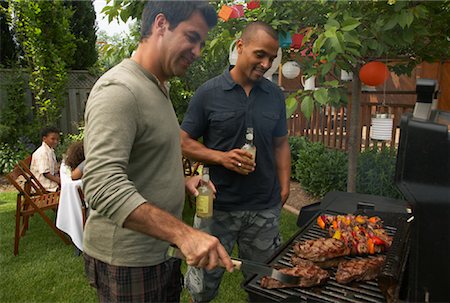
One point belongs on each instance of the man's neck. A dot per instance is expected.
(150, 63)
(242, 80)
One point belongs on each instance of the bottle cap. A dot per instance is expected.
(249, 136)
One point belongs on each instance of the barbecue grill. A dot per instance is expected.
(417, 264)
(396, 224)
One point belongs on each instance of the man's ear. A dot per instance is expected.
(161, 24)
(239, 46)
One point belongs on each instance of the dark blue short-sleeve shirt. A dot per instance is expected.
(220, 112)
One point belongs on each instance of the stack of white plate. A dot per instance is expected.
(381, 128)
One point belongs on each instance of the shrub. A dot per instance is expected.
(376, 171)
(296, 144)
(11, 154)
(66, 140)
(320, 170)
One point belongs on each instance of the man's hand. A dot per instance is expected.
(284, 195)
(192, 183)
(205, 251)
(239, 160)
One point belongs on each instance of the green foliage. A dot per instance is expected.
(376, 171)
(8, 49)
(339, 35)
(320, 170)
(10, 154)
(113, 49)
(42, 29)
(66, 140)
(296, 144)
(15, 115)
(83, 28)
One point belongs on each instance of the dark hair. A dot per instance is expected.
(252, 27)
(176, 11)
(48, 130)
(75, 154)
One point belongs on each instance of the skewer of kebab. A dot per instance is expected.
(362, 234)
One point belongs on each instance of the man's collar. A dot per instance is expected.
(229, 83)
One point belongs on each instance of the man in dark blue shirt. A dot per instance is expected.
(249, 194)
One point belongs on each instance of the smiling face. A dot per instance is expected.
(51, 139)
(256, 55)
(182, 45)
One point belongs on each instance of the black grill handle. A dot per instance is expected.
(365, 206)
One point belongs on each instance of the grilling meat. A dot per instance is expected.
(363, 235)
(296, 260)
(310, 275)
(321, 249)
(359, 269)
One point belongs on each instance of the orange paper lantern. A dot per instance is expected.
(225, 12)
(374, 73)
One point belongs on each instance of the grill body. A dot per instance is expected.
(385, 288)
(423, 176)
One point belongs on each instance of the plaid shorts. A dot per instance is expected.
(158, 283)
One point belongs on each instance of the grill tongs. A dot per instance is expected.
(248, 266)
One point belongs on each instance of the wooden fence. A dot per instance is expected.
(329, 125)
(79, 85)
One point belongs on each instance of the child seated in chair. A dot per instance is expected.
(43, 161)
(75, 159)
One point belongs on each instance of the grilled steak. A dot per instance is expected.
(321, 249)
(359, 269)
(296, 260)
(310, 275)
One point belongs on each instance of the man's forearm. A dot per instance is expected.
(193, 149)
(157, 223)
(53, 178)
(283, 162)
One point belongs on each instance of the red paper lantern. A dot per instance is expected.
(297, 40)
(374, 73)
(253, 4)
(238, 11)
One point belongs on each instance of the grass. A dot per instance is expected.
(47, 270)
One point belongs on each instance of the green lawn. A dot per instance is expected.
(47, 270)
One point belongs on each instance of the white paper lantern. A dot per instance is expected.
(290, 70)
(381, 127)
(346, 76)
(276, 62)
(233, 54)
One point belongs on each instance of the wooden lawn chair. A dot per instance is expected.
(32, 198)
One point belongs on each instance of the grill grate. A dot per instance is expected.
(366, 291)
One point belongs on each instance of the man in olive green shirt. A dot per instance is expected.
(133, 179)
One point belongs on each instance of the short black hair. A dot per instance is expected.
(176, 11)
(252, 27)
(48, 130)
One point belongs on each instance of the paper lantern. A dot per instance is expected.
(233, 54)
(276, 62)
(374, 73)
(225, 12)
(297, 40)
(290, 70)
(238, 11)
(381, 128)
(253, 4)
(285, 40)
